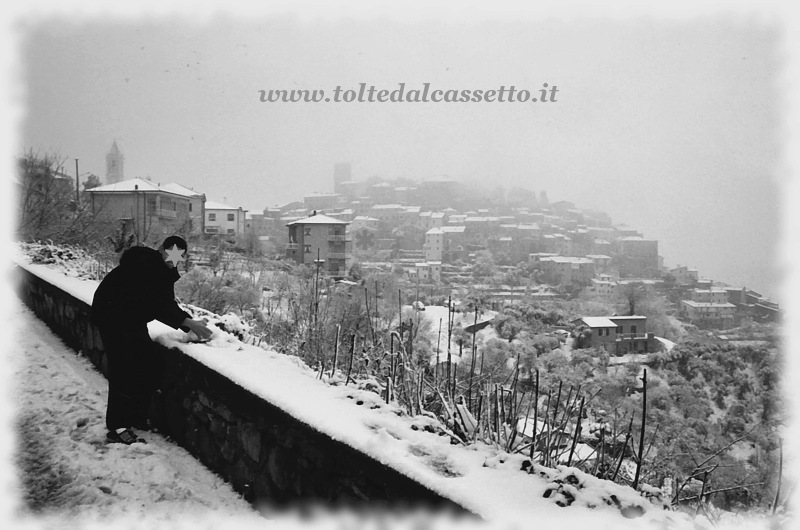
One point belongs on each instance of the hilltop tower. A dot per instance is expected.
(114, 165)
(341, 173)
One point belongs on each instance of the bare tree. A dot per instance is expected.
(48, 205)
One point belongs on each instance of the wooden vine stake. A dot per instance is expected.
(641, 434)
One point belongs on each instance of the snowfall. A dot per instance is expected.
(58, 403)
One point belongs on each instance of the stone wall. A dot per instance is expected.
(266, 454)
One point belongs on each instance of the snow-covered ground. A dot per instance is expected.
(72, 475)
(480, 477)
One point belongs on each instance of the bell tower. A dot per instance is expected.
(114, 165)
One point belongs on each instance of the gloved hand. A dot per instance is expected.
(199, 328)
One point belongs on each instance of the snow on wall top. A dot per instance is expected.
(481, 478)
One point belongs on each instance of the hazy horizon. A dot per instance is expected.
(672, 127)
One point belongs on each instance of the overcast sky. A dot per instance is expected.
(672, 126)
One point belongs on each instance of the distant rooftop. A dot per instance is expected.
(134, 184)
(692, 303)
(318, 219)
(598, 322)
(210, 205)
(180, 190)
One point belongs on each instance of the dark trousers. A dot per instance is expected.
(133, 374)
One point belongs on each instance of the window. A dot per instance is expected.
(306, 230)
(230, 230)
(633, 329)
(619, 330)
(212, 217)
(230, 217)
(307, 249)
(190, 207)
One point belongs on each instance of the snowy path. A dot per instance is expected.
(69, 474)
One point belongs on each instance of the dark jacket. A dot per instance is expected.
(140, 289)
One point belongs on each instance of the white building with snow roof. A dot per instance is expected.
(223, 219)
(320, 240)
(196, 205)
(146, 209)
(434, 244)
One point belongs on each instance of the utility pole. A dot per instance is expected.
(315, 332)
(77, 185)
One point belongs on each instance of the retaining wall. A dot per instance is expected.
(266, 454)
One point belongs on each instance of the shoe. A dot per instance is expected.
(126, 437)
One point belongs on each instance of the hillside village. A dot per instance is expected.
(477, 308)
(439, 236)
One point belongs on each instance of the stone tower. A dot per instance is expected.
(114, 165)
(341, 173)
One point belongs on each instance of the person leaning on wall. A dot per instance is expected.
(140, 289)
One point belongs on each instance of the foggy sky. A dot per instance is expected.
(670, 126)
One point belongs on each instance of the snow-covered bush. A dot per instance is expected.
(74, 261)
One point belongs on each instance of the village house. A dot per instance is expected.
(709, 296)
(323, 201)
(684, 275)
(428, 271)
(567, 271)
(601, 289)
(150, 211)
(319, 240)
(392, 214)
(708, 314)
(224, 220)
(434, 244)
(618, 335)
(638, 257)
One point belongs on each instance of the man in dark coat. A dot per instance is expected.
(140, 289)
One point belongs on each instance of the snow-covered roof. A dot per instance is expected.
(692, 303)
(318, 219)
(568, 259)
(319, 194)
(210, 205)
(126, 186)
(635, 238)
(174, 187)
(599, 322)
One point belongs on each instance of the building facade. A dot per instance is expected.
(145, 209)
(708, 314)
(638, 257)
(319, 240)
(225, 220)
(618, 334)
